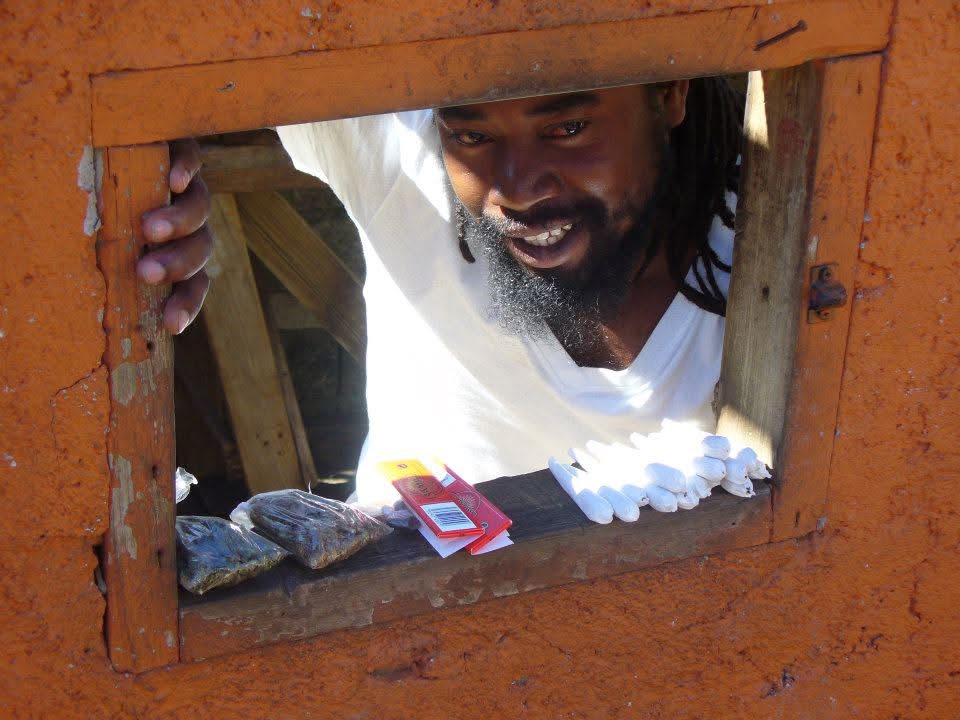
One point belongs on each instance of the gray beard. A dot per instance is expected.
(574, 307)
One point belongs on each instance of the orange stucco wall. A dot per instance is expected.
(859, 621)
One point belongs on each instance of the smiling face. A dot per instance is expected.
(560, 183)
(531, 165)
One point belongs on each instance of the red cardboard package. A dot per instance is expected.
(431, 500)
(436, 506)
(484, 512)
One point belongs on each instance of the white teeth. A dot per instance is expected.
(549, 237)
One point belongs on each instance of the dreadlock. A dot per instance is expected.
(705, 147)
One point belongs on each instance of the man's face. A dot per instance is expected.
(557, 183)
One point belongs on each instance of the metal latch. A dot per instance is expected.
(825, 293)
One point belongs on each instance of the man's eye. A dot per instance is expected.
(470, 137)
(567, 129)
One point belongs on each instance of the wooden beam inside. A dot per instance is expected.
(306, 265)
(251, 168)
(244, 354)
(308, 471)
(289, 313)
(134, 106)
(140, 554)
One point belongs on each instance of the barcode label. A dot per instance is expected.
(448, 516)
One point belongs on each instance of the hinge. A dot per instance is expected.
(826, 293)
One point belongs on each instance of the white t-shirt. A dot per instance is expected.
(443, 380)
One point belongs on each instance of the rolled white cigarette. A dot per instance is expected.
(629, 451)
(756, 468)
(715, 446)
(736, 472)
(710, 469)
(687, 500)
(661, 500)
(630, 458)
(593, 506)
(623, 507)
(698, 485)
(745, 490)
(614, 465)
(587, 461)
(669, 478)
(604, 479)
(629, 465)
(636, 493)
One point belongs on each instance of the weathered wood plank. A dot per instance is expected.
(241, 346)
(307, 266)
(308, 471)
(139, 557)
(847, 111)
(402, 576)
(251, 168)
(764, 308)
(133, 106)
(808, 133)
(289, 314)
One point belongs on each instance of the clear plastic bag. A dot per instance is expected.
(316, 530)
(182, 480)
(400, 518)
(213, 552)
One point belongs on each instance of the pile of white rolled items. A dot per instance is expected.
(676, 467)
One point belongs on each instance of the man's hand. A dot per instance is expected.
(182, 239)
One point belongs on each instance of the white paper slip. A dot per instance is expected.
(500, 541)
(445, 548)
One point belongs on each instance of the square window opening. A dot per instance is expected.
(795, 147)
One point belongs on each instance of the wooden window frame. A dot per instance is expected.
(809, 133)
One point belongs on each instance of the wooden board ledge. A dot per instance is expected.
(402, 576)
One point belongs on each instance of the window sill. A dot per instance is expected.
(402, 576)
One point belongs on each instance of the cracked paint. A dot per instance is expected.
(121, 499)
(89, 179)
(147, 375)
(123, 383)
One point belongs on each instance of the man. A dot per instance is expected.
(540, 272)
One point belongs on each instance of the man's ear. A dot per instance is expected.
(674, 101)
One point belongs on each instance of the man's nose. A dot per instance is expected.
(522, 178)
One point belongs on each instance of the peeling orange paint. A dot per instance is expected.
(859, 620)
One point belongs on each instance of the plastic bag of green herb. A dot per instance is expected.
(316, 530)
(213, 552)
